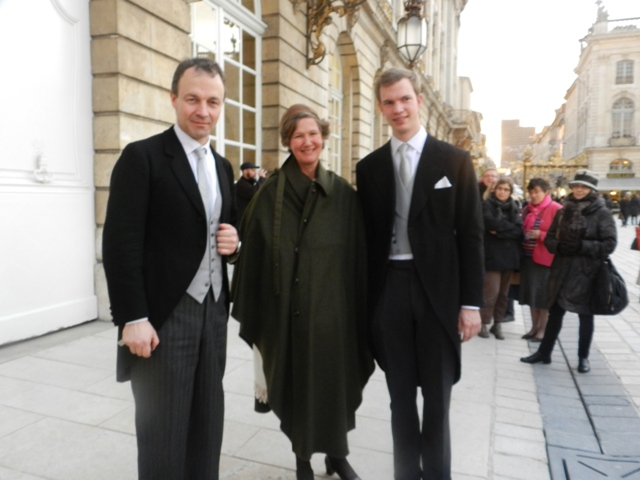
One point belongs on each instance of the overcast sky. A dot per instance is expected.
(520, 56)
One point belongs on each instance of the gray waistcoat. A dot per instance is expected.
(209, 274)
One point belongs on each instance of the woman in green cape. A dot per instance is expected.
(299, 295)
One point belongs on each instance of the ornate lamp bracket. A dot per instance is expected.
(319, 16)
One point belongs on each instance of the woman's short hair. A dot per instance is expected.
(293, 115)
(538, 182)
(504, 181)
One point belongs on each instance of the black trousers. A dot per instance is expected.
(414, 351)
(554, 325)
(179, 396)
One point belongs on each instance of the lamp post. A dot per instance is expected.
(412, 32)
(526, 163)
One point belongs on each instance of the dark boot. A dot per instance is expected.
(583, 365)
(303, 469)
(484, 331)
(341, 467)
(496, 329)
(537, 358)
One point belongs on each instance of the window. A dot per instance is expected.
(220, 31)
(335, 114)
(621, 165)
(622, 118)
(624, 72)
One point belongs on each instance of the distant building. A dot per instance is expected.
(601, 119)
(514, 139)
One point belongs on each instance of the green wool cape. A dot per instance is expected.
(298, 292)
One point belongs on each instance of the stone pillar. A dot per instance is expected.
(136, 45)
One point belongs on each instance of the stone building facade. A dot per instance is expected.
(601, 118)
(124, 53)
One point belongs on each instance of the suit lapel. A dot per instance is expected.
(182, 170)
(430, 170)
(386, 188)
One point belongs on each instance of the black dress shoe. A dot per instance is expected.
(340, 466)
(583, 365)
(527, 336)
(537, 358)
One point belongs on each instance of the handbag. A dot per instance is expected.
(610, 294)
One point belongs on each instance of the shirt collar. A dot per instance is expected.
(416, 142)
(189, 144)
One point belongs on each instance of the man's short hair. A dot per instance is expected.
(201, 64)
(394, 75)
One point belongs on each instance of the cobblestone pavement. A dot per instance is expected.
(63, 416)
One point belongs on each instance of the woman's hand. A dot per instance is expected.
(535, 234)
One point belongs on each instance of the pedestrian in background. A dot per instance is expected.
(536, 260)
(582, 235)
(625, 208)
(634, 208)
(502, 238)
(250, 180)
(299, 295)
(487, 179)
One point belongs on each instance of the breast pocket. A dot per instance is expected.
(441, 204)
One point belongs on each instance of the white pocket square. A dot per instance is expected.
(443, 183)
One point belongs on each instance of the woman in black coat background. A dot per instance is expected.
(582, 235)
(502, 239)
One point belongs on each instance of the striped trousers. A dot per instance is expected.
(179, 396)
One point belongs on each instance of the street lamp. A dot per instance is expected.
(412, 31)
(526, 163)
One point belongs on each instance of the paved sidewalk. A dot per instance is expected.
(63, 416)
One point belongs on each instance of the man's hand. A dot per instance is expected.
(262, 173)
(469, 323)
(227, 239)
(140, 337)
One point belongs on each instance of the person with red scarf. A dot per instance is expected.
(536, 262)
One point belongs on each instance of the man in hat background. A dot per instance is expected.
(247, 185)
